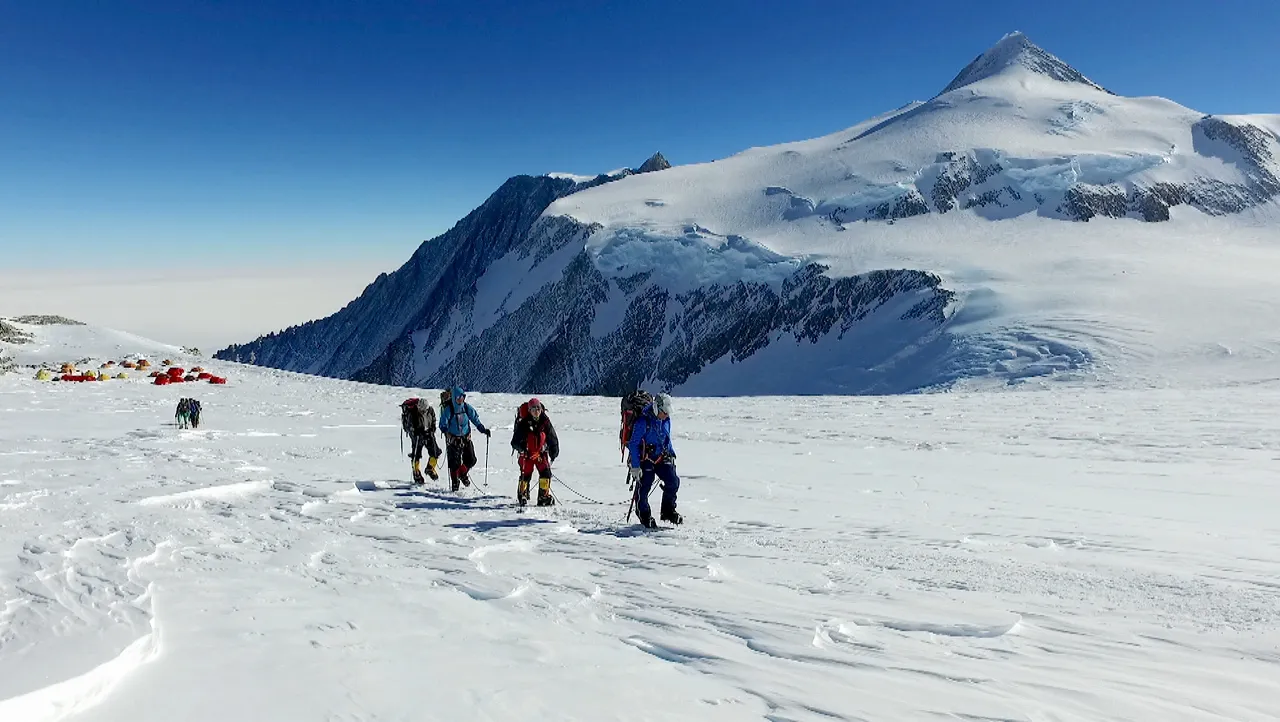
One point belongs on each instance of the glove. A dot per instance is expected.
(487, 433)
(633, 476)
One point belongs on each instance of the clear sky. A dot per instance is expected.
(172, 132)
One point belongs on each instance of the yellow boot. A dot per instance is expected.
(544, 492)
(417, 473)
(431, 467)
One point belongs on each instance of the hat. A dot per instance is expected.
(535, 402)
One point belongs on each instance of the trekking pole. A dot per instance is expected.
(634, 491)
(486, 461)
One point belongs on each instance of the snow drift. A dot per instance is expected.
(1023, 223)
(1057, 554)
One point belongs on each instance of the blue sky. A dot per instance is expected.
(165, 133)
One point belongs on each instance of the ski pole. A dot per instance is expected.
(486, 461)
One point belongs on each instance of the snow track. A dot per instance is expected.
(1066, 555)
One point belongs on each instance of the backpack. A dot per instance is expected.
(632, 404)
(416, 418)
(523, 411)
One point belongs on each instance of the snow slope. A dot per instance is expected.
(1056, 554)
(54, 344)
(1025, 223)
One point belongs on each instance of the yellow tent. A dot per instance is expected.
(122, 375)
(43, 375)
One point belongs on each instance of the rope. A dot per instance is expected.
(584, 496)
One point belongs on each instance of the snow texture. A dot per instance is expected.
(1062, 553)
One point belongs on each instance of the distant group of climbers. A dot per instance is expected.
(188, 413)
(645, 438)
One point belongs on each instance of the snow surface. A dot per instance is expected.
(1052, 554)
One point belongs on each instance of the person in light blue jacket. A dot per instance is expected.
(456, 418)
(652, 454)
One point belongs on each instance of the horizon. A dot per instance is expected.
(240, 137)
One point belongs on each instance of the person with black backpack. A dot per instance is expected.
(652, 454)
(456, 417)
(534, 438)
(418, 421)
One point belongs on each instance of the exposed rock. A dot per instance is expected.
(47, 321)
(12, 334)
(655, 163)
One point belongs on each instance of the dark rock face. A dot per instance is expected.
(1256, 155)
(655, 163)
(12, 334)
(47, 320)
(544, 347)
(957, 176)
(416, 294)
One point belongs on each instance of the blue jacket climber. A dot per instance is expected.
(653, 456)
(457, 417)
(654, 434)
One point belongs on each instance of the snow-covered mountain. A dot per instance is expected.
(1024, 222)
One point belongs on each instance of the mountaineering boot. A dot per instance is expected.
(431, 468)
(522, 493)
(417, 474)
(545, 498)
(456, 484)
(672, 516)
(647, 521)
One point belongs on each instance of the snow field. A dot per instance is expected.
(1039, 555)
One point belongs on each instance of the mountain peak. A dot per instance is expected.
(1016, 51)
(655, 163)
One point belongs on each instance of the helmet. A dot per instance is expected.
(662, 404)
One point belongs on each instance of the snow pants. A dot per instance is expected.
(462, 457)
(665, 471)
(527, 465)
(428, 441)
